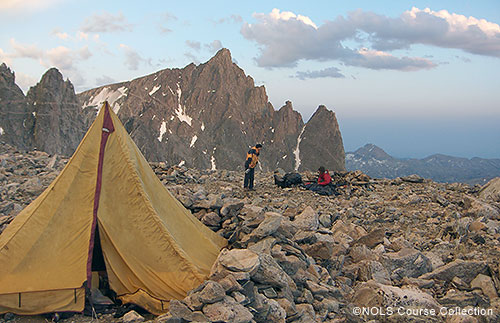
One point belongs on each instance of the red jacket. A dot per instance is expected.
(324, 179)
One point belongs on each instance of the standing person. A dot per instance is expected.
(250, 163)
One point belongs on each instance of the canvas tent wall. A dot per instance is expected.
(154, 249)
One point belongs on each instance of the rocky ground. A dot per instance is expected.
(402, 250)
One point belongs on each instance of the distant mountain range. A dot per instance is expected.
(202, 116)
(375, 162)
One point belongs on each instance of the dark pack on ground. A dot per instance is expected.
(288, 180)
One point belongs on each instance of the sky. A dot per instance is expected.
(413, 77)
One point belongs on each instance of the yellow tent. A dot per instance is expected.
(154, 249)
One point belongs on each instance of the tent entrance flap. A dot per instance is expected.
(98, 263)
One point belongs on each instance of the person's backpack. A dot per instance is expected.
(292, 179)
(289, 180)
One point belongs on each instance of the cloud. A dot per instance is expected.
(234, 18)
(61, 57)
(82, 36)
(84, 53)
(30, 5)
(436, 28)
(61, 35)
(25, 81)
(166, 18)
(5, 58)
(165, 30)
(214, 46)
(192, 58)
(194, 45)
(285, 38)
(132, 58)
(104, 80)
(378, 60)
(106, 22)
(327, 72)
(25, 51)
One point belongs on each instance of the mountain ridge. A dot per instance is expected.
(375, 162)
(203, 116)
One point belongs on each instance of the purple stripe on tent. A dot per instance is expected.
(107, 129)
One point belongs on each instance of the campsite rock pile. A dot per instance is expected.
(23, 176)
(407, 244)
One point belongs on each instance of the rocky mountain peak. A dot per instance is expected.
(57, 124)
(6, 75)
(14, 111)
(203, 116)
(223, 56)
(321, 142)
(373, 151)
(53, 81)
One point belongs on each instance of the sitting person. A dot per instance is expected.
(324, 177)
(324, 185)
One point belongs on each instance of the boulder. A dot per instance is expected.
(486, 285)
(465, 270)
(227, 310)
(270, 273)
(491, 190)
(372, 239)
(374, 294)
(406, 263)
(269, 226)
(308, 220)
(239, 260)
(132, 317)
(211, 293)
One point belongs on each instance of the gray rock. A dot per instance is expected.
(263, 246)
(462, 299)
(491, 190)
(132, 317)
(375, 294)
(227, 310)
(413, 179)
(325, 220)
(307, 220)
(179, 310)
(372, 239)
(269, 226)
(211, 219)
(230, 284)
(270, 273)
(211, 293)
(306, 313)
(231, 208)
(406, 263)
(239, 260)
(486, 285)
(466, 270)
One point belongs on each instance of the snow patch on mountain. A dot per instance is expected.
(212, 161)
(163, 129)
(193, 140)
(296, 152)
(156, 88)
(181, 110)
(107, 94)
